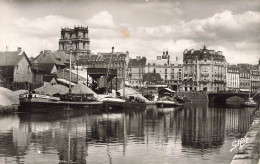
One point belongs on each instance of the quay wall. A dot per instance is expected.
(194, 96)
(8, 109)
(250, 152)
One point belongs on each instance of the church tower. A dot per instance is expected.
(76, 40)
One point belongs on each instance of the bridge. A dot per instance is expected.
(222, 96)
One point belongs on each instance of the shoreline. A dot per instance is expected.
(250, 151)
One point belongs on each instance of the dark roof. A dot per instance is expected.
(45, 68)
(244, 70)
(12, 58)
(233, 67)
(65, 58)
(137, 63)
(48, 78)
(48, 56)
(202, 54)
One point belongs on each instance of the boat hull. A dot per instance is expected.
(45, 105)
(165, 104)
(113, 105)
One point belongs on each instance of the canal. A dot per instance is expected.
(199, 133)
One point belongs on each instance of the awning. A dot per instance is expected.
(244, 90)
(170, 90)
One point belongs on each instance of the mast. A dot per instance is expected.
(108, 67)
(124, 81)
(148, 78)
(250, 81)
(70, 69)
(6, 68)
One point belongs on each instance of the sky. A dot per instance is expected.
(142, 27)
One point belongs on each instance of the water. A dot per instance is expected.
(200, 133)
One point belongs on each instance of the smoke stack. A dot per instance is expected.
(166, 52)
(163, 53)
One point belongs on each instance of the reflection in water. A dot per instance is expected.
(199, 133)
(203, 127)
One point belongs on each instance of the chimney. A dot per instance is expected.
(19, 49)
(163, 53)
(166, 52)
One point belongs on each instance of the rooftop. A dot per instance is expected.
(11, 58)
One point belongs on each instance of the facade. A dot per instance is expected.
(203, 70)
(259, 64)
(161, 66)
(113, 60)
(171, 74)
(75, 40)
(176, 76)
(136, 70)
(255, 80)
(15, 67)
(233, 76)
(244, 79)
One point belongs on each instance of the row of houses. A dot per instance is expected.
(202, 70)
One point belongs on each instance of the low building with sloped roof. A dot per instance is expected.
(15, 67)
(51, 61)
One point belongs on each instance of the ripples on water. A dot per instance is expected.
(199, 133)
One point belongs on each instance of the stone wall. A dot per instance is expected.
(194, 96)
(250, 151)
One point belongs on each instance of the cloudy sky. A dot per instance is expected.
(142, 27)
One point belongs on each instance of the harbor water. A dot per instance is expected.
(198, 133)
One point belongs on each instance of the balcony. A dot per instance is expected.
(219, 81)
(80, 39)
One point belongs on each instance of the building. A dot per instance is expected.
(203, 70)
(176, 76)
(161, 66)
(136, 70)
(244, 79)
(50, 62)
(113, 60)
(15, 68)
(259, 64)
(255, 80)
(233, 76)
(75, 40)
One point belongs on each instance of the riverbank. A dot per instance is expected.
(250, 152)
